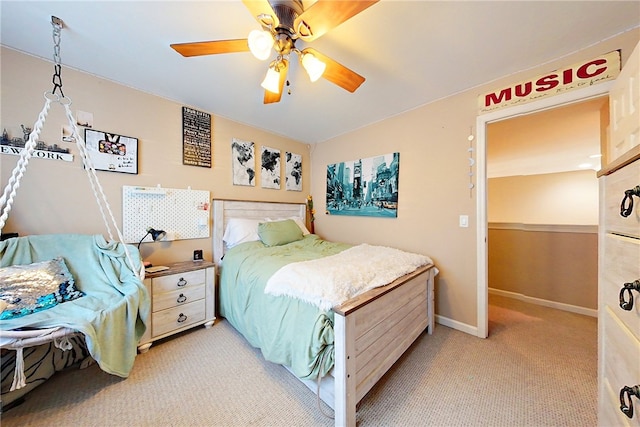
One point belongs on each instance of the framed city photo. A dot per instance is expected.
(364, 187)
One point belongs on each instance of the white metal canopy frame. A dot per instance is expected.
(17, 340)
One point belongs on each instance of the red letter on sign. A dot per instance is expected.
(523, 92)
(583, 73)
(547, 82)
(506, 94)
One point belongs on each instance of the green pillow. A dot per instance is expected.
(276, 233)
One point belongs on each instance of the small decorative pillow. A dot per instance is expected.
(298, 221)
(278, 233)
(35, 287)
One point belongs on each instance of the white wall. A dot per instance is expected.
(556, 198)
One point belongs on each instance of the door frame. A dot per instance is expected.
(482, 121)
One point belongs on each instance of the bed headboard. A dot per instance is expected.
(225, 209)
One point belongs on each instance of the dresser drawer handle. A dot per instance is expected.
(182, 318)
(628, 288)
(181, 283)
(182, 299)
(626, 405)
(626, 207)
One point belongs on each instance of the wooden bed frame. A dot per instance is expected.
(371, 330)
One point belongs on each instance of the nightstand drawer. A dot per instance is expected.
(178, 281)
(178, 317)
(178, 297)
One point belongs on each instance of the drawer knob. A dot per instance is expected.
(182, 318)
(626, 207)
(627, 289)
(626, 405)
(181, 283)
(182, 299)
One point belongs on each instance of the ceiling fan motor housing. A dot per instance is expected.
(287, 11)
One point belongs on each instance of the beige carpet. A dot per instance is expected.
(537, 368)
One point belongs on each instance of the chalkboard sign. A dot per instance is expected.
(196, 138)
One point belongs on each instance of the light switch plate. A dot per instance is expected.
(464, 221)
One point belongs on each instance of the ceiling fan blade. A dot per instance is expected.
(211, 47)
(261, 7)
(270, 97)
(337, 73)
(324, 15)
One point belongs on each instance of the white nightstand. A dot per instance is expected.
(181, 297)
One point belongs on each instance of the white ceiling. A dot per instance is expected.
(561, 139)
(411, 52)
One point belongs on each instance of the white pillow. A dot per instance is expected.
(300, 223)
(241, 230)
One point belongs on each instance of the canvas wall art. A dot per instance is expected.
(270, 172)
(364, 187)
(293, 171)
(244, 162)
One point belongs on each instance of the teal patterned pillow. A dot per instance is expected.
(35, 287)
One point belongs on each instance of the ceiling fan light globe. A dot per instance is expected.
(271, 81)
(314, 67)
(260, 44)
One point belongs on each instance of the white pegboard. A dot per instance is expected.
(183, 214)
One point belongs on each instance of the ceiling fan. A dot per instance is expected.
(283, 22)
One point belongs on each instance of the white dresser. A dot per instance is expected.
(181, 297)
(619, 257)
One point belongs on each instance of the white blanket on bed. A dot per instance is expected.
(330, 281)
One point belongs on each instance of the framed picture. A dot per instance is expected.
(270, 172)
(111, 152)
(196, 138)
(244, 162)
(364, 187)
(293, 171)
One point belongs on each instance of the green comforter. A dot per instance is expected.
(288, 331)
(113, 313)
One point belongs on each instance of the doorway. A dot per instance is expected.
(482, 182)
(543, 206)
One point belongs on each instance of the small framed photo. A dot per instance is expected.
(112, 152)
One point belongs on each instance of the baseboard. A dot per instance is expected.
(454, 324)
(473, 330)
(553, 304)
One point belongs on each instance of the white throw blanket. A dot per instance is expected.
(330, 281)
